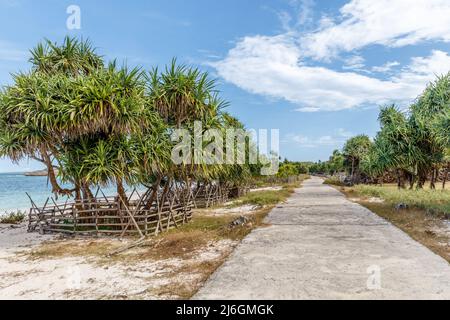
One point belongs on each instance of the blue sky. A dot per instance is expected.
(316, 70)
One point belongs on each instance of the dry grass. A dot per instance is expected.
(431, 230)
(334, 181)
(74, 248)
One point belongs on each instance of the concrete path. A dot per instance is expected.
(322, 246)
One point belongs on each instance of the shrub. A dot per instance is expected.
(12, 217)
(334, 181)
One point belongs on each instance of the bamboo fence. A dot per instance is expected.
(112, 215)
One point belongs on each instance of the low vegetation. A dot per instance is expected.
(263, 198)
(12, 217)
(334, 181)
(432, 201)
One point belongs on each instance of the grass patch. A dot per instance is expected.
(262, 198)
(272, 181)
(12, 217)
(267, 197)
(334, 181)
(74, 248)
(432, 201)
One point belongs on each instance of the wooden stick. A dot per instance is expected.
(131, 217)
(125, 248)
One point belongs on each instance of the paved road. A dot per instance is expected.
(322, 246)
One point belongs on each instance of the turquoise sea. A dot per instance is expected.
(14, 186)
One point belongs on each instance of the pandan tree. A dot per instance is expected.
(72, 113)
(35, 109)
(96, 124)
(184, 96)
(442, 134)
(433, 104)
(336, 162)
(355, 149)
(395, 148)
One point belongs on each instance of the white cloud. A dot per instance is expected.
(394, 23)
(276, 66)
(272, 66)
(386, 67)
(422, 70)
(305, 10)
(345, 133)
(303, 15)
(355, 62)
(303, 141)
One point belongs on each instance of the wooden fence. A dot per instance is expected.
(110, 216)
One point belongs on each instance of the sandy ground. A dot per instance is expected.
(322, 246)
(240, 210)
(276, 188)
(26, 276)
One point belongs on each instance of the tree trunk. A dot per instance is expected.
(444, 179)
(434, 174)
(121, 192)
(56, 189)
(422, 179)
(353, 171)
(78, 194)
(165, 192)
(400, 179)
(87, 194)
(411, 180)
(155, 188)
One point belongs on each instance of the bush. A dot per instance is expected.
(12, 217)
(334, 181)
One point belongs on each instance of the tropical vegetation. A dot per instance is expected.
(412, 147)
(95, 123)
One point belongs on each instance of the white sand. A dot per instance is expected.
(84, 277)
(241, 210)
(267, 189)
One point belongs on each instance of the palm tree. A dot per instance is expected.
(100, 124)
(336, 162)
(354, 151)
(431, 105)
(73, 113)
(395, 145)
(442, 133)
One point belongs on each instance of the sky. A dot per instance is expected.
(316, 70)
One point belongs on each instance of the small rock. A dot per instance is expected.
(430, 233)
(401, 206)
(239, 222)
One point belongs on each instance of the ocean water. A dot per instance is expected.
(14, 186)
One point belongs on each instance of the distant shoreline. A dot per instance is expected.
(37, 173)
